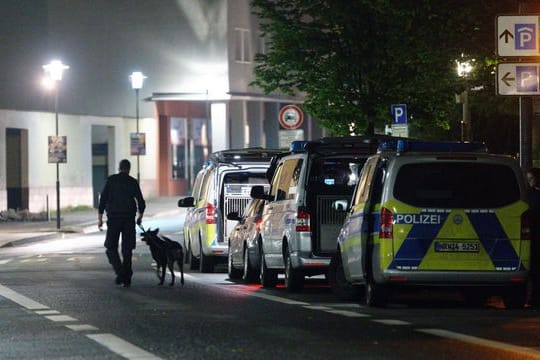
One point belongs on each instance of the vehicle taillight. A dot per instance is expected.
(386, 230)
(210, 213)
(303, 221)
(526, 225)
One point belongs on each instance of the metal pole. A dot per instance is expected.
(57, 162)
(137, 112)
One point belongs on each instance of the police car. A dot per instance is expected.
(435, 213)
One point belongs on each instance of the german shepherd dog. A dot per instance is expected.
(165, 253)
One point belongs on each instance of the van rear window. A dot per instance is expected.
(456, 185)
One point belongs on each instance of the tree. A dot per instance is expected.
(352, 59)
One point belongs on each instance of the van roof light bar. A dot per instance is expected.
(401, 146)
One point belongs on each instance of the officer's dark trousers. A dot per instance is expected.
(115, 227)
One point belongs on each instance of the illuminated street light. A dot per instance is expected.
(53, 75)
(137, 79)
(464, 68)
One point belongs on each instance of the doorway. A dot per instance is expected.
(101, 138)
(17, 168)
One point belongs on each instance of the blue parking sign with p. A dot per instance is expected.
(399, 113)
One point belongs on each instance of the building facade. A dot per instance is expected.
(197, 98)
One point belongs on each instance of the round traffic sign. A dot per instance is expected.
(291, 117)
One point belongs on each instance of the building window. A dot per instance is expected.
(243, 46)
(178, 147)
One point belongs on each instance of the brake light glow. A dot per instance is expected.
(303, 221)
(526, 225)
(386, 230)
(210, 214)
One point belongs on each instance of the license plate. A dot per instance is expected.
(454, 246)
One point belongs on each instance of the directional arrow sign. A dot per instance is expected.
(518, 35)
(518, 79)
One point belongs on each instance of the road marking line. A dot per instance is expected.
(347, 313)
(317, 307)
(2, 262)
(20, 299)
(61, 318)
(47, 312)
(122, 347)
(278, 299)
(483, 342)
(81, 327)
(391, 322)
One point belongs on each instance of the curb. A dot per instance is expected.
(87, 227)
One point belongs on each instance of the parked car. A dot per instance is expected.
(222, 186)
(243, 260)
(440, 214)
(299, 226)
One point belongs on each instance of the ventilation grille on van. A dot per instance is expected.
(328, 222)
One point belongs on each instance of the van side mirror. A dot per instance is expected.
(257, 192)
(186, 202)
(340, 205)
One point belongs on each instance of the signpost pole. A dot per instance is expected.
(525, 117)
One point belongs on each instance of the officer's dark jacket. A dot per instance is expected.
(121, 196)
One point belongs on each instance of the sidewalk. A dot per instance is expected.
(84, 221)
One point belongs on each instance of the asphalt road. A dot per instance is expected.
(58, 301)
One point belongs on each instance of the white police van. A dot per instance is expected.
(299, 226)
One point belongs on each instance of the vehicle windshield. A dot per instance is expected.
(456, 185)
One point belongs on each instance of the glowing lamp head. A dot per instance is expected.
(137, 79)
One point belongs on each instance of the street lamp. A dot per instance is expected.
(137, 79)
(464, 68)
(53, 75)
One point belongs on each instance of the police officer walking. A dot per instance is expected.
(121, 198)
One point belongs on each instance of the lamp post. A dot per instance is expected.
(137, 79)
(464, 68)
(53, 75)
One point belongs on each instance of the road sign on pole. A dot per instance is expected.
(518, 79)
(399, 114)
(518, 35)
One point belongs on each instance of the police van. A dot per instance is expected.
(299, 226)
(435, 213)
(222, 186)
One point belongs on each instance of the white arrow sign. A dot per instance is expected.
(518, 79)
(518, 35)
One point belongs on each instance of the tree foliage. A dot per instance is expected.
(352, 59)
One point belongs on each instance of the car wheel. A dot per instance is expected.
(515, 297)
(193, 261)
(294, 278)
(251, 273)
(341, 288)
(376, 294)
(206, 263)
(268, 276)
(234, 274)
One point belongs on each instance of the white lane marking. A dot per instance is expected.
(47, 312)
(2, 262)
(391, 322)
(20, 299)
(122, 347)
(347, 313)
(60, 318)
(317, 307)
(81, 327)
(483, 342)
(278, 299)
